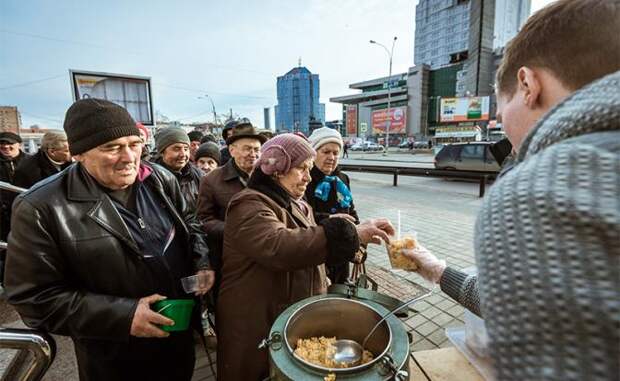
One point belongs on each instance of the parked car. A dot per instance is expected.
(472, 156)
(367, 146)
(357, 147)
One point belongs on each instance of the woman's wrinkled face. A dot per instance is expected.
(297, 179)
(327, 158)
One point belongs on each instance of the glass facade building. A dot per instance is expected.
(298, 101)
(441, 30)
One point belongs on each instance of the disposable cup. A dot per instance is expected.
(394, 250)
(195, 283)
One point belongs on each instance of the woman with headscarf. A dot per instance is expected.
(329, 192)
(274, 254)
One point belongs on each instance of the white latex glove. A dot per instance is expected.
(429, 267)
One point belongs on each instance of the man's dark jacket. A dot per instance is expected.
(74, 269)
(34, 169)
(7, 173)
(189, 179)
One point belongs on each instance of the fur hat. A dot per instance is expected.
(283, 152)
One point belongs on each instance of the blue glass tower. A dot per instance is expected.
(298, 100)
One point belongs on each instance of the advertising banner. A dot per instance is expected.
(131, 92)
(464, 109)
(352, 120)
(398, 120)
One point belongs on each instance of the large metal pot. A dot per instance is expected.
(333, 315)
(340, 318)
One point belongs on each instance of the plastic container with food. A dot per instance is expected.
(394, 250)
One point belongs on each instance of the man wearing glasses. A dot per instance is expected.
(221, 184)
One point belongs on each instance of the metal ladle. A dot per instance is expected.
(349, 352)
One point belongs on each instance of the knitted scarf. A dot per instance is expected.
(343, 194)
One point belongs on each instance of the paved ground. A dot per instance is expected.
(441, 212)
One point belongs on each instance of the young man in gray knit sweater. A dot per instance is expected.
(547, 238)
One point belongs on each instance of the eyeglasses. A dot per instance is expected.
(246, 150)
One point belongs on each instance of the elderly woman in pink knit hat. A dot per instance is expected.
(275, 254)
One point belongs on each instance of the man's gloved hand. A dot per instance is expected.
(429, 267)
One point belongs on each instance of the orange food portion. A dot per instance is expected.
(397, 259)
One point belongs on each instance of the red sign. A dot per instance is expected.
(352, 120)
(398, 120)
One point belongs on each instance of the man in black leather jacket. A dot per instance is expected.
(93, 246)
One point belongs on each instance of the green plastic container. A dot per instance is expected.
(179, 310)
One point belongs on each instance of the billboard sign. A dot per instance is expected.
(398, 120)
(352, 120)
(464, 109)
(131, 92)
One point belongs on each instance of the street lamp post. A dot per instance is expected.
(206, 96)
(388, 121)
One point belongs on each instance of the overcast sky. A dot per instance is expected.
(232, 50)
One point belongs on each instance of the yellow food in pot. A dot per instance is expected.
(320, 351)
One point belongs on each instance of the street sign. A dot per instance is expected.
(363, 127)
(393, 83)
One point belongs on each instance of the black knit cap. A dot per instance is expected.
(92, 122)
(208, 149)
(194, 136)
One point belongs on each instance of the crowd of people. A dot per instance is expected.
(114, 227)
(107, 228)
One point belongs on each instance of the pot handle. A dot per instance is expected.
(274, 342)
(387, 367)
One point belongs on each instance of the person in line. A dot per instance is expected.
(195, 138)
(173, 146)
(11, 155)
(146, 149)
(208, 157)
(53, 156)
(274, 254)
(220, 185)
(226, 131)
(329, 191)
(546, 238)
(94, 246)
(208, 138)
